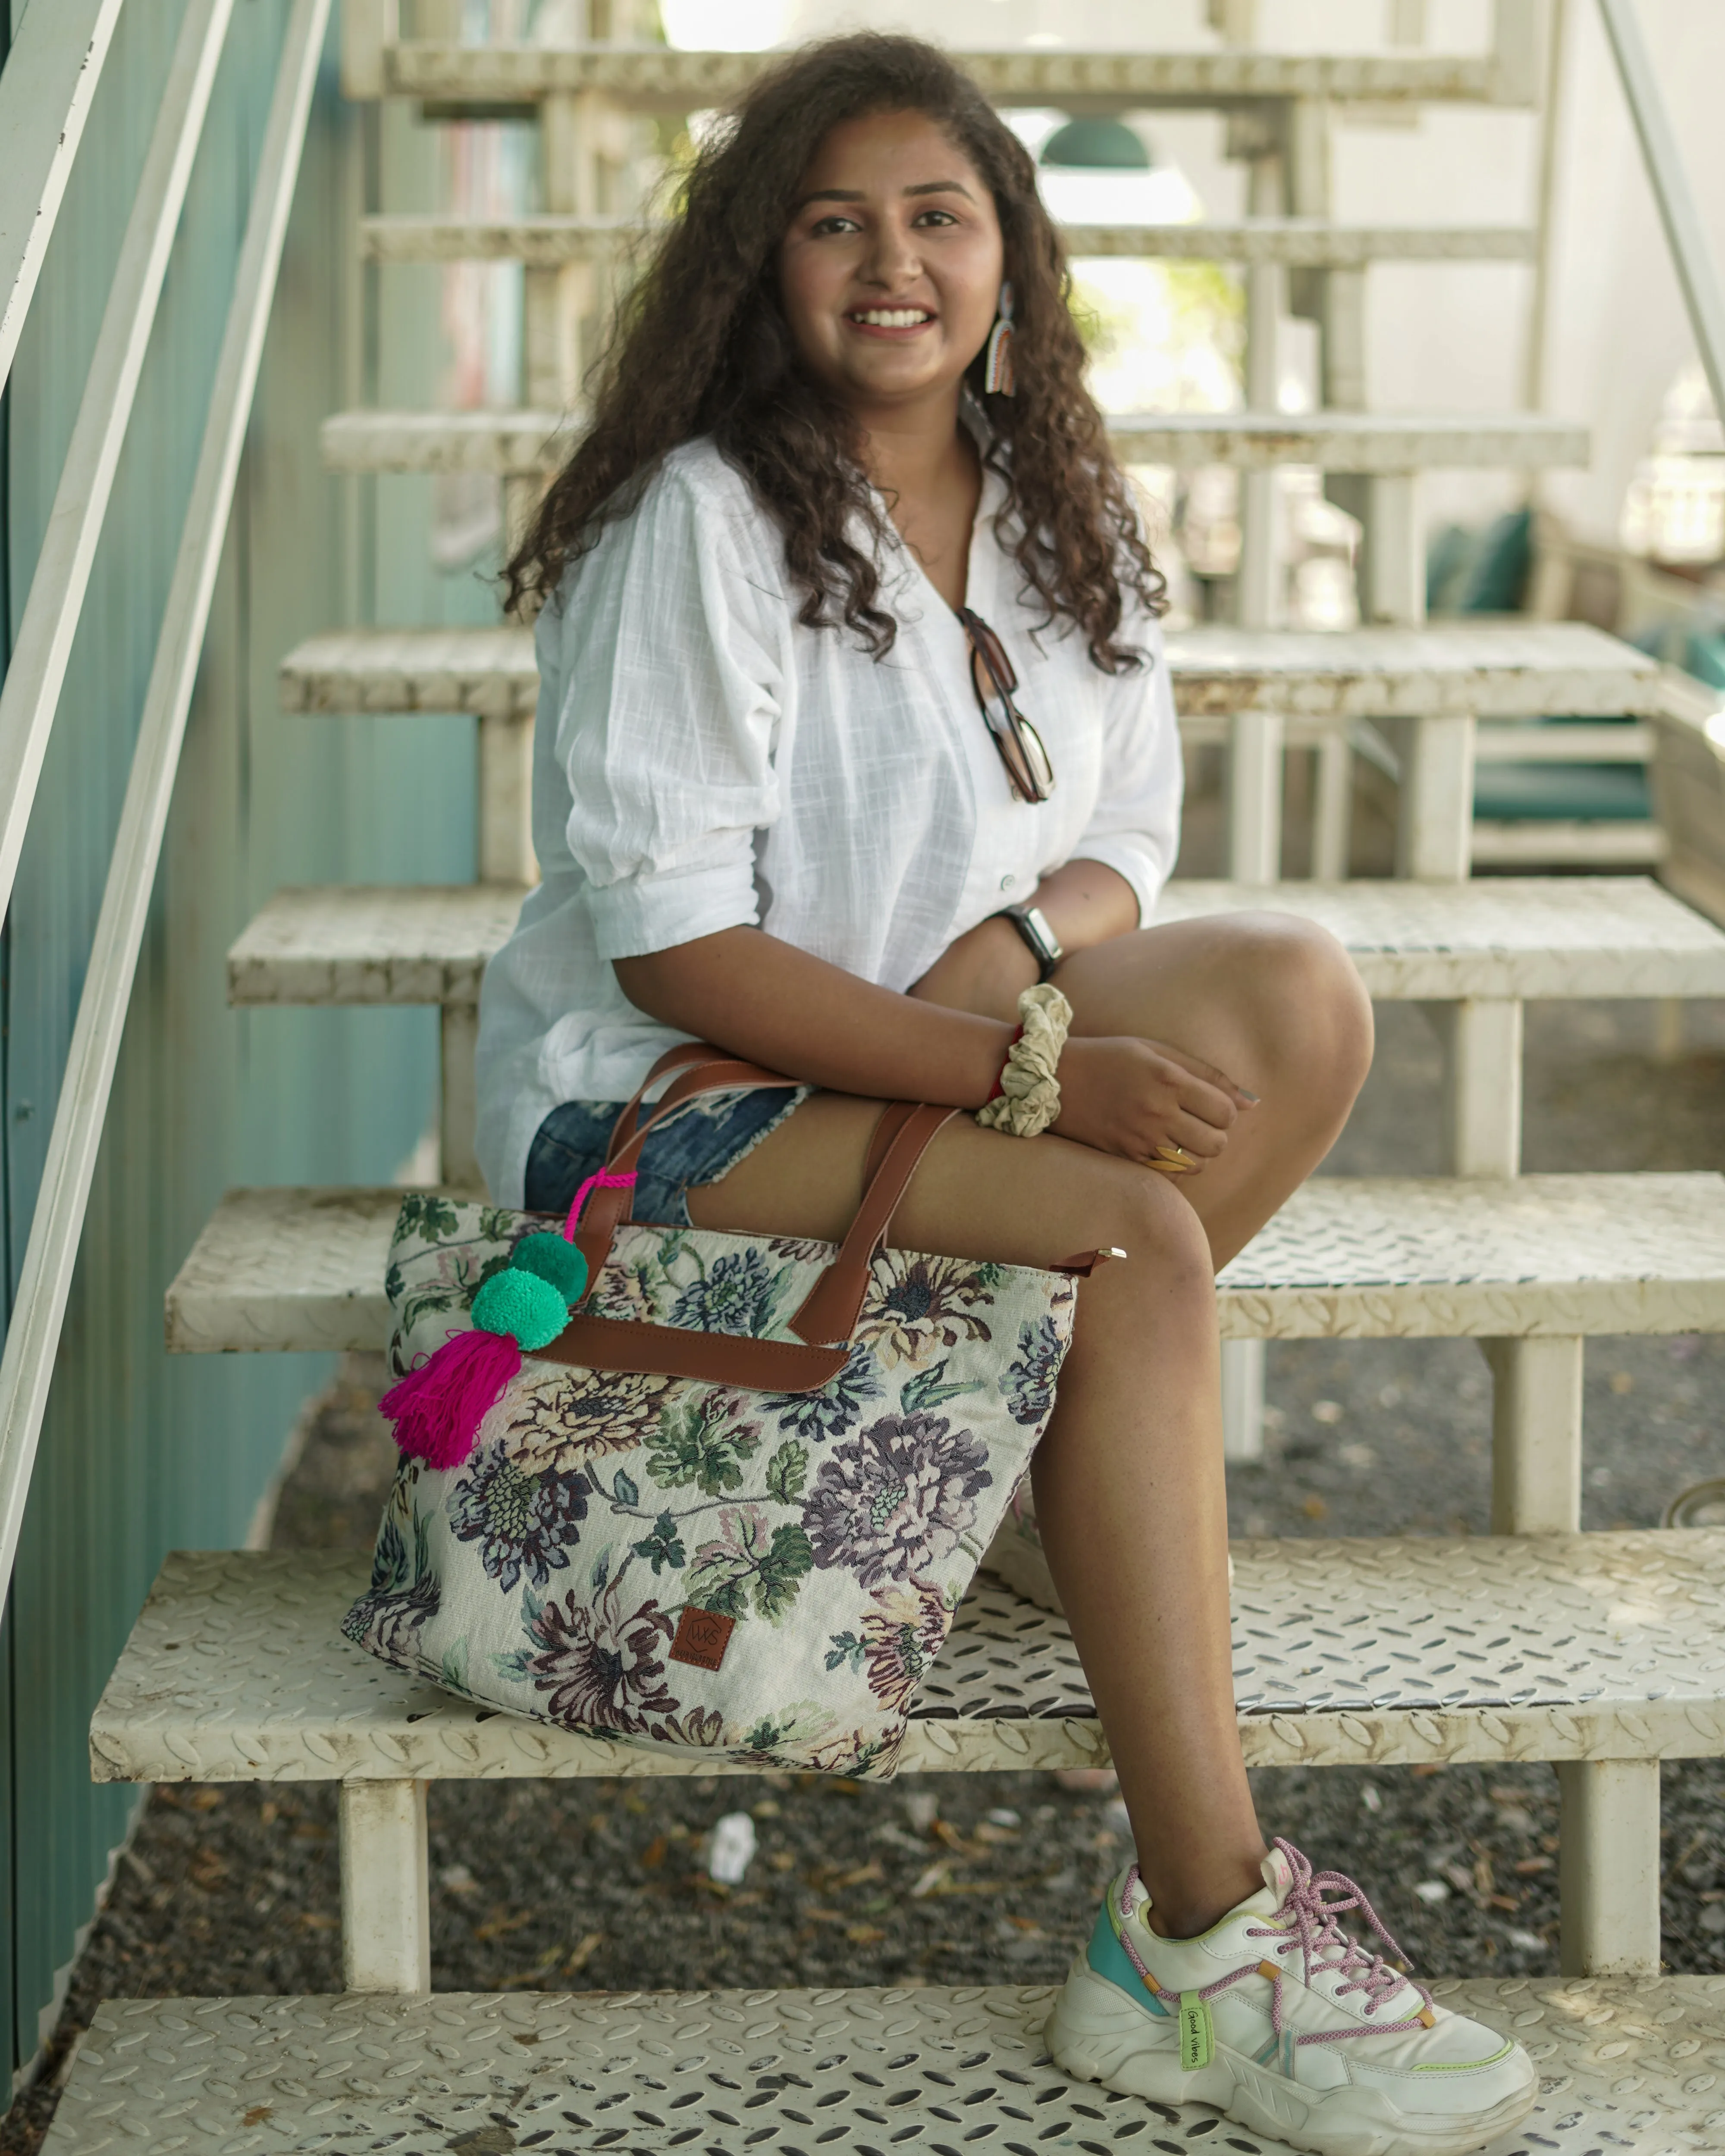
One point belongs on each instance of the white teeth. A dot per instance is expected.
(892, 318)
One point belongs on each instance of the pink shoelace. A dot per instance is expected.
(1325, 1948)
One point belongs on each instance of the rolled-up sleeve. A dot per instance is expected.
(1135, 828)
(674, 666)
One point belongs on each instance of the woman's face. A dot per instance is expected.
(890, 274)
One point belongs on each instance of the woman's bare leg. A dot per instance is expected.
(1136, 1434)
(1130, 1497)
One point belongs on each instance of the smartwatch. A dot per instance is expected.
(1031, 924)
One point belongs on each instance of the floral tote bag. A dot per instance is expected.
(716, 1491)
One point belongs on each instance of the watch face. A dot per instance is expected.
(1037, 921)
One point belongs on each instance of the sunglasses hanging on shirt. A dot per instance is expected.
(1028, 769)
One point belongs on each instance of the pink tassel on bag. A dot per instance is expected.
(438, 1407)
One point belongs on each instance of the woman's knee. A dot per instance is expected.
(1167, 1250)
(1304, 999)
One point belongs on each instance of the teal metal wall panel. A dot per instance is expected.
(142, 1452)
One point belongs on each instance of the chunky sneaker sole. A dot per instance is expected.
(1096, 2034)
(1286, 2024)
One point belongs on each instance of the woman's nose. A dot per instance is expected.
(894, 260)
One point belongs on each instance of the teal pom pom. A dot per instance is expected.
(550, 1257)
(522, 1304)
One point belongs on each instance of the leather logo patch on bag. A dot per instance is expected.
(702, 1637)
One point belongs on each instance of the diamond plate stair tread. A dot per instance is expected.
(1497, 670)
(528, 443)
(1346, 1257)
(1624, 2065)
(1345, 1653)
(549, 240)
(1530, 936)
(489, 672)
(385, 943)
(653, 78)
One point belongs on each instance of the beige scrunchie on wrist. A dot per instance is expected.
(1030, 1098)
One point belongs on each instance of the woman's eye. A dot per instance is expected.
(828, 225)
(936, 216)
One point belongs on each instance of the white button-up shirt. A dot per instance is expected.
(703, 761)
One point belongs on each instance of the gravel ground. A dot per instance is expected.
(960, 1879)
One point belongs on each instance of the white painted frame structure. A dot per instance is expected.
(46, 91)
(32, 1337)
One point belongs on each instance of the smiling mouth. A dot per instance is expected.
(890, 318)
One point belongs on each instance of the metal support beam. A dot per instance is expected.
(1516, 49)
(385, 1914)
(1536, 1435)
(457, 1096)
(1243, 1399)
(506, 801)
(1608, 1867)
(1332, 807)
(1434, 814)
(367, 26)
(1392, 582)
(1254, 766)
(1482, 1039)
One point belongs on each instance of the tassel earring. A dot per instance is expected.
(997, 364)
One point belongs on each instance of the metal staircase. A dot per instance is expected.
(1600, 1653)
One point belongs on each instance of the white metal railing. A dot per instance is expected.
(39, 1313)
(50, 78)
(1670, 190)
(30, 693)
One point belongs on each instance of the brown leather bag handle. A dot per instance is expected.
(609, 1205)
(829, 1311)
(828, 1315)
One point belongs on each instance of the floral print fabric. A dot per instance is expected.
(813, 1548)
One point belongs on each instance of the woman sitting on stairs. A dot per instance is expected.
(853, 724)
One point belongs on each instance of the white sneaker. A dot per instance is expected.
(1286, 2024)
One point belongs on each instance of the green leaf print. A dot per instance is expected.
(725, 1598)
(623, 1491)
(698, 1441)
(926, 1389)
(452, 1670)
(423, 1213)
(844, 1651)
(787, 1472)
(662, 1547)
(782, 1570)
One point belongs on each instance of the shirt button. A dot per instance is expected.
(1006, 882)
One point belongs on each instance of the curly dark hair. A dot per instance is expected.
(700, 346)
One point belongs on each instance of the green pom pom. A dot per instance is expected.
(523, 1305)
(550, 1257)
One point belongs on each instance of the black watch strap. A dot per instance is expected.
(1039, 939)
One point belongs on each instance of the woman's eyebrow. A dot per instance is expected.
(856, 195)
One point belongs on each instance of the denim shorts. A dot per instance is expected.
(701, 1143)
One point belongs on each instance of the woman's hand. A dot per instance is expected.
(1134, 1097)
